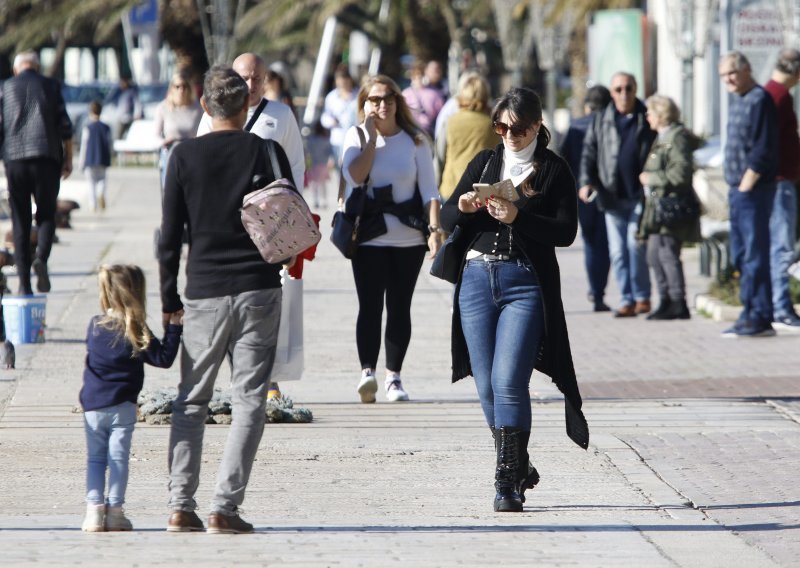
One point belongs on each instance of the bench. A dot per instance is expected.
(141, 140)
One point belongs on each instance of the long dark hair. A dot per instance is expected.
(525, 108)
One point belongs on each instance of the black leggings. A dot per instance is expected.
(389, 272)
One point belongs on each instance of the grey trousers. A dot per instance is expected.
(244, 328)
(664, 257)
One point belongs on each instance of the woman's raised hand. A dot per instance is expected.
(501, 209)
(469, 202)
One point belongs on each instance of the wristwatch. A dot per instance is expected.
(434, 229)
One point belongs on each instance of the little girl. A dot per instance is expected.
(118, 345)
(318, 147)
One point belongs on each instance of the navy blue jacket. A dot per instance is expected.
(112, 376)
(98, 145)
(752, 140)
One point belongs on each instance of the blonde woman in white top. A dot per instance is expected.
(177, 117)
(396, 159)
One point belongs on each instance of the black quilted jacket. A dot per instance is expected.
(33, 118)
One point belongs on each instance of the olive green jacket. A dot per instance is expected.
(669, 168)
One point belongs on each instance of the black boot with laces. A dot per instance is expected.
(507, 499)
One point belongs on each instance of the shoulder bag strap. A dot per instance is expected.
(273, 159)
(261, 106)
(486, 167)
(342, 183)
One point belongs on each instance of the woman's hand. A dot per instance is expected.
(502, 209)
(370, 126)
(469, 202)
(434, 243)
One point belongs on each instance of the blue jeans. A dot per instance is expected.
(749, 214)
(108, 443)
(782, 231)
(627, 253)
(502, 316)
(595, 247)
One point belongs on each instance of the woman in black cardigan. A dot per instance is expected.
(508, 317)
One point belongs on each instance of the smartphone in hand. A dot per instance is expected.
(504, 189)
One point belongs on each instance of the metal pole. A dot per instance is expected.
(383, 17)
(688, 41)
(320, 70)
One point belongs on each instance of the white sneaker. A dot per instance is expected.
(116, 520)
(95, 519)
(394, 388)
(368, 386)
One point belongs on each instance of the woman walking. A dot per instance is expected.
(668, 172)
(390, 154)
(508, 318)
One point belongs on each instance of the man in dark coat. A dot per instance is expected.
(36, 136)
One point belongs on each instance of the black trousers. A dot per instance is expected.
(40, 178)
(390, 274)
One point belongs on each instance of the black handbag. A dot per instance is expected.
(345, 234)
(447, 262)
(675, 209)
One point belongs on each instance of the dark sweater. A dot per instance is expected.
(628, 165)
(112, 375)
(207, 178)
(788, 140)
(752, 140)
(98, 145)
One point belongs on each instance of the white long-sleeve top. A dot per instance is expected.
(276, 122)
(401, 163)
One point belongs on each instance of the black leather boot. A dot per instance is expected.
(662, 310)
(506, 483)
(527, 476)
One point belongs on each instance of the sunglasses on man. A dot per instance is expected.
(626, 88)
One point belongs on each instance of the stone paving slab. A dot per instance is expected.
(411, 485)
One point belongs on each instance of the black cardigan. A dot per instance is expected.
(545, 221)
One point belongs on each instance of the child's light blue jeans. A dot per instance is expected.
(108, 443)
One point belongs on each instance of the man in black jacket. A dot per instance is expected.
(614, 153)
(36, 136)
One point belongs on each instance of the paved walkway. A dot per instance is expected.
(693, 461)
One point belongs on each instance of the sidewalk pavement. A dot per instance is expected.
(693, 458)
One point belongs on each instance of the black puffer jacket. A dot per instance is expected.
(545, 221)
(33, 118)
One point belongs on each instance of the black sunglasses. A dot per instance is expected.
(626, 88)
(388, 99)
(517, 131)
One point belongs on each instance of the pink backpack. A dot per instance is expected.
(278, 219)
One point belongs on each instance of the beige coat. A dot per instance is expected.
(468, 132)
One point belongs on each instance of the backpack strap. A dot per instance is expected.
(261, 106)
(273, 159)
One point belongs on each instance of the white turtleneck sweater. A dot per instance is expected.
(523, 159)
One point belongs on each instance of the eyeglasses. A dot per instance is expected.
(517, 131)
(626, 88)
(386, 99)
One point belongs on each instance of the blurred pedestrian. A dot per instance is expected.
(668, 173)
(783, 220)
(614, 152)
(339, 110)
(751, 163)
(591, 219)
(232, 301)
(127, 105)
(508, 317)
(36, 137)
(320, 164)
(389, 152)
(95, 156)
(425, 102)
(177, 118)
(468, 132)
(435, 79)
(275, 90)
(118, 344)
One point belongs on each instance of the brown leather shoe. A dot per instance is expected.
(626, 311)
(643, 307)
(184, 521)
(227, 524)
